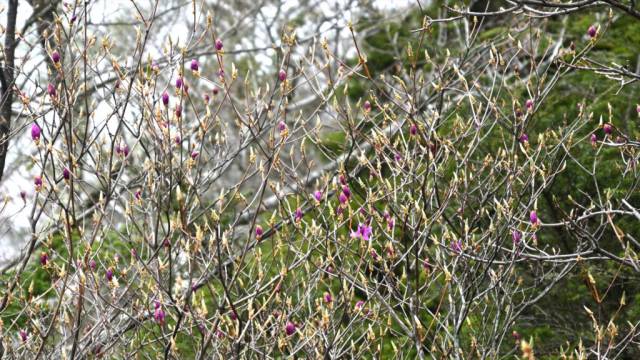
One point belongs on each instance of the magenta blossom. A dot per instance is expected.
(282, 75)
(55, 56)
(218, 44)
(359, 305)
(328, 298)
(592, 31)
(413, 130)
(529, 104)
(37, 181)
(282, 126)
(194, 154)
(366, 106)
(44, 259)
(533, 216)
(165, 98)
(259, 232)
(346, 191)
(364, 232)
(109, 274)
(66, 174)
(178, 111)
(23, 335)
(524, 138)
(298, 215)
(159, 315)
(343, 198)
(138, 194)
(35, 132)
(194, 65)
(456, 246)
(92, 264)
(51, 90)
(317, 195)
(594, 140)
(290, 328)
(179, 83)
(516, 236)
(608, 129)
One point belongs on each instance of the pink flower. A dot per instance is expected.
(343, 198)
(282, 126)
(456, 246)
(346, 191)
(413, 130)
(364, 232)
(290, 328)
(298, 215)
(178, 111)
(516, 236)
(159, 314)
(55, 56)
(328, 298)
(138, 194)
(109, 274)
(165, 98)
(179, 83)
(194, 154)
(359, 305)
(35, 132)
(51, 90)
(37, 181)
(529, 104)
(66, 174)
(592, 31)
(533, 216)
(608, 129)
(23, 335)
(317, 195)
(194, 65)
(218, 44)
(259, 232)
(44, 259)
(282, 75)
(524, 138)
(366, 106)
(594, 140)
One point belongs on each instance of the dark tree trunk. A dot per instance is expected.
(7, 82)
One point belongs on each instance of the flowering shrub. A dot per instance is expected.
(445, 182)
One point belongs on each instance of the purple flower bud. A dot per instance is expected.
(178, 111)
(533, 216)
(317, 195)
(218, 44)
(594, 140)
(413, 130)
(359, 305)
(592, 31)
(343, 179)
(92, 264)
(35, 132)
(125, 150)
(346, 191)
(397, 157)
(426, 265)
(390, 223)
(194, 65)
(37, 181)
(608, 129)
(179, 83)
(259, 232)
(290, 328)
(138, 194)
(23, 335)
(343, 198)
(328, 298)
(638, 109)
(282, 126)
(55, 56)
(194, 154)
(366, 106)
(524, 138)
(73, 18)
(516, 236)
(44, 259)
(529, 104)
(298, 215)
(51, 90)
(233, 315)
(282, 75)
(363, 232)
(206, 98)
(109, 274)
(165, 98)
(456, 246)
(66, 174)
(215, 90)
(23, 195)
(159, 316)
